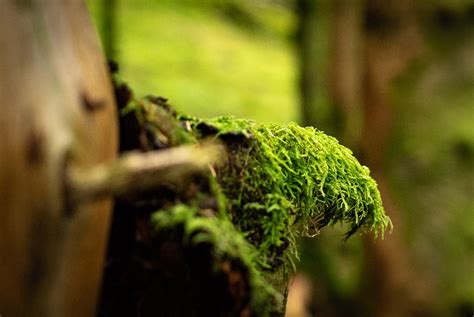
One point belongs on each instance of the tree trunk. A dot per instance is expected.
(392, 41)
(58, 112)
(108, 27)
(372, 42)
(345, 69)
(310, 67)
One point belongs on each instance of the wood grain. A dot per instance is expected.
(57, 111)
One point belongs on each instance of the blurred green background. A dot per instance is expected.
(205, 61)
(394, 80)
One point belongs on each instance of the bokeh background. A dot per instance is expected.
(392, 79)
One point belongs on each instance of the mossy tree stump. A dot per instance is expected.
(225, 241)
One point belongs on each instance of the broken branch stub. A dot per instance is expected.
(137, 172)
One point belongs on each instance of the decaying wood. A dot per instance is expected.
(57, 112)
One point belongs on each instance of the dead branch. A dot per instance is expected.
(136, 172)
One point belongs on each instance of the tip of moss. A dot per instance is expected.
(282, 182)
(279, 183)
(290, 175)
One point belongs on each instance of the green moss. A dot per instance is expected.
(227, 243)
(288, 181)
(151, 115)
(277, 184)
(280, 182)
(228, 125)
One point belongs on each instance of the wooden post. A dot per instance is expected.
(57, 112)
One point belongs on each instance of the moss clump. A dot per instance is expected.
(278, 183)
(227, 245)
(287, 181)
(158, 121)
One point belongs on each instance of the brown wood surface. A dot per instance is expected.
(57, 111)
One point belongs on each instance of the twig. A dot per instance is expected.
(136, 172)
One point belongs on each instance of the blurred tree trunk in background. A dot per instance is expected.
(342, 20)
(345, 69)
(108, 27)
(392, 40)
(309, 13)
(371, 43)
